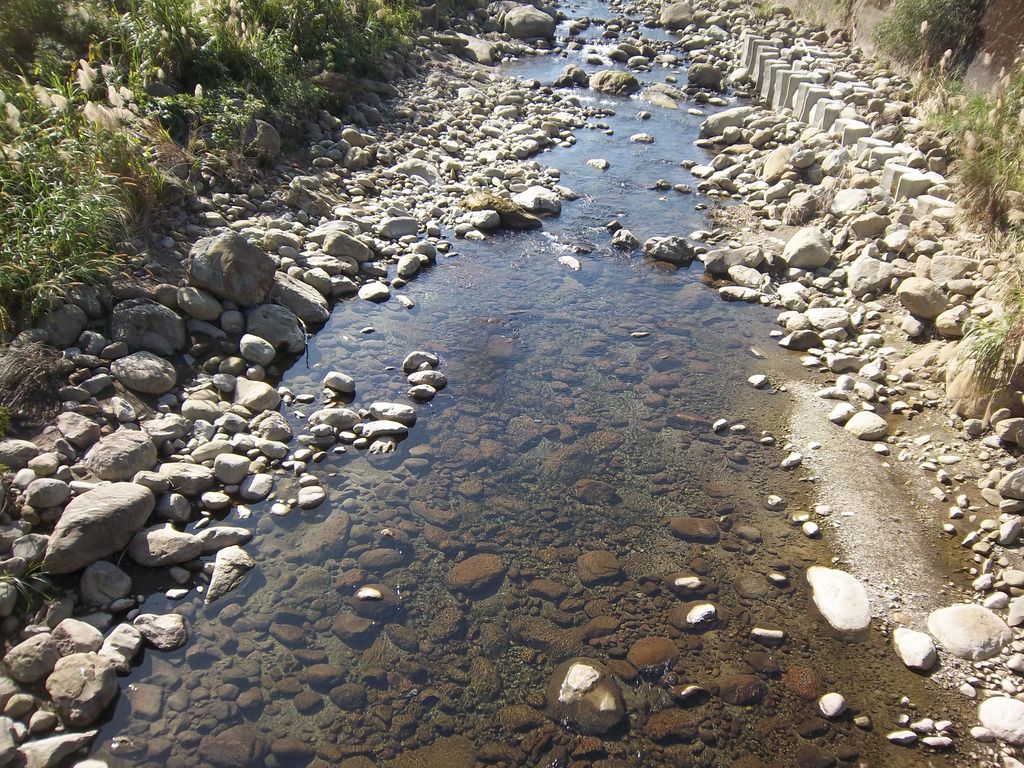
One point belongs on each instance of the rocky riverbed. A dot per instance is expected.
(436, 446)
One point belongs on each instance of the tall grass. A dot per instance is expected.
(919, 32)
(80, 134)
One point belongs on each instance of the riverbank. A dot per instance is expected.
(436, 522)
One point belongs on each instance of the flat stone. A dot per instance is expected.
(478, 573)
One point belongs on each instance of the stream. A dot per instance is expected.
(577, 420)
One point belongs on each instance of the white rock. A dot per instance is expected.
(1004, 717)
(969, 631)
(914, 648)
(840, 598)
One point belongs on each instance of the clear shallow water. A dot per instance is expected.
(561, 433)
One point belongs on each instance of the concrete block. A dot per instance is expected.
(849, 130)
(763, 55)
(791, 86)
(807, 95)
(770, 81)
(826, 112)
(926, 205)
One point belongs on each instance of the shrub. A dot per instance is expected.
(921, 31)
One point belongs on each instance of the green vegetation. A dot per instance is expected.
(97, 97)
(919, 32)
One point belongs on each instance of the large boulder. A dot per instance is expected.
(673, 249)
(96, 524)
(617, 83)
(807, 249)
(923, 298)
(528, 23)
(232, 268)
(304, 300)
(676, 16)
(584, 695)
(144, 324)
(278, 325)
(841, 599)
(81, 686)
(121, 454)
(867, 425)
(144, 372)
(969, 631)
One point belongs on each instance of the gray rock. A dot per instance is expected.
(915, 649)
(144, 372)
(305, 301)
(865, 425)
(256, 350)
(187, 479)
(64, 325)
(256, 395)
(121, 454)
(145, 324)
(868, 275)
(676, 16)
(47, 492)
(163, 546)
(946, 267)
(395, 227)
(341, 243)
(419, 360)
(374, 291)
(265, 142)
(529, 23)
(341, 383)
(230, 267)
(617, 83)
(278, 325)
(538, 199)
(404, 414)
(673, 250)
(807, 249)
(32, 659)
(122, 645)
(220, 536)
(716, 124)
(79, 430)
(166, 632)
(74, 636)
(1003, 716)
(922, 297)
(102, 583)
(229, 569)
(705, 76)
(95, 524)
(200, 304)
(16, 454)
(841, 599)
(81, 686)
(969, 631)
(719, 261)
(53, 750)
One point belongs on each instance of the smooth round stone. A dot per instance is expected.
(256, 350)
(832, 705)
(969, 631)
(422, 392)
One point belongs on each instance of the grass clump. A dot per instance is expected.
(919, 32)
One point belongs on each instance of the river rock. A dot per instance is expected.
(403, 414)
(187, 479)
(528, 23)
(538, 199)
(256, 350)
(598, 566)
(278, 325)
(969, 631)
(229, 568)
(700, 530)
(676, 16)
(240, 746)
(807, 249)
(841, 599)
(374, 291)
(52, 751)
(95, 524)
(74, 636)
(914, 648)
(867, 425)
(144, 372)
(305, 301)
(166, 632)
(673, 250)
(102, 582)
(257, 396)
(478, 573)
(47, 492)
(81, 686)
(120, 455)
(232, 268)
(1004, 717)
(79, 430)
(16, 454)
(617, 83)
(705, 76)
(163, 546)
(653, 653)
(144, 324)
(742, 690)
(922, 297)
(868, 275)
(32, 659)
(583, 695)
